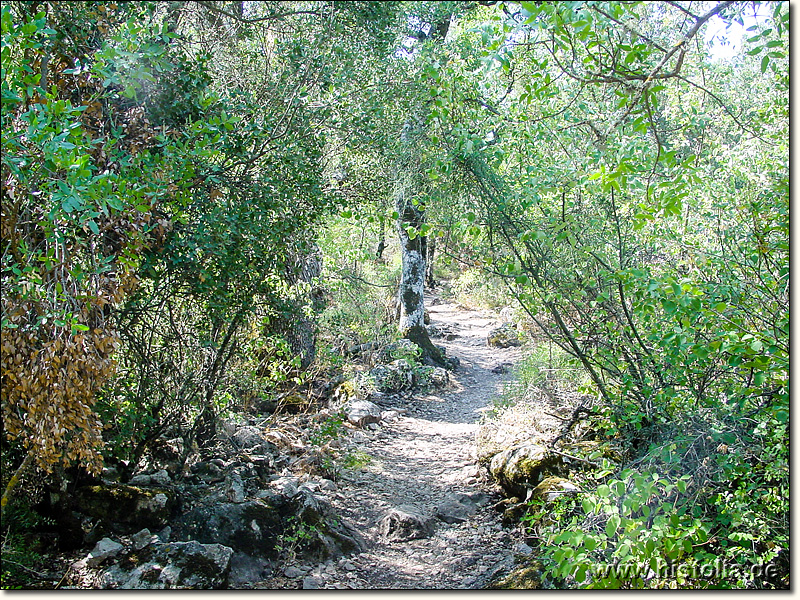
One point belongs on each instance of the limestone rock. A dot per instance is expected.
(252, 527)
(286, 486)
(397, 376)
(520, 467)
(102, 551)
(455, 508)
(440, 377)
(250, 438)
(161, 478)
(405, 523)
(293, 572)
(329, 535)
(552, 488)
(143, 538)
(234, 489)
(526, 576)
(140, 479)
(177, 565)
(207, 472)
(362, 412)
(504, 336)
(128, 508)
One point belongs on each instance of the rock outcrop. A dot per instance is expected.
(127, 508)
(405, 523)
(521, 467)
(504, 336)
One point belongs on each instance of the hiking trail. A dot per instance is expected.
(421, 459)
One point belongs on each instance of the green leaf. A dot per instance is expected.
(612, 525)
(764, 64)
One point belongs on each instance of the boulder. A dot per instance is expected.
(140, 479)
(255, 527)
(175, 565)
(102, 551)
(161, 478)
(362, 412)
(247, 569)
(457, 508)
(552, 488)
(327, 536)
(395, 377)
(234, 487)
(252, 527)
(440, 377)
(504, 336)
(405, 523)
(127, 508)
(208, 472)
(520, 467)
(250, 439)
(143, 539)
(286, 486)
(525, 576)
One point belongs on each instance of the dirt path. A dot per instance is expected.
(421, 458)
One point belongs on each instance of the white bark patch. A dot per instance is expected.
(412, 284)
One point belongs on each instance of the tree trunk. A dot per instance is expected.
(429, 255)
(412, 280)
(14, 481)
(412, 307)
(411, 215)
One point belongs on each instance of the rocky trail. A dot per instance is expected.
(404, 506)
(420, 503)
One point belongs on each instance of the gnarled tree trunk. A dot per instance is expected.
(411, 217)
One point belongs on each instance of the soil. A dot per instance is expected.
(419, 458)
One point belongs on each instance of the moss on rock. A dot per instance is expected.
(521, 467)
(130, 506)
(527, 576)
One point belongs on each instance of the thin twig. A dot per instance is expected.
(578, 458)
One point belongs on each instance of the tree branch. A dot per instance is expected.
(275, 17)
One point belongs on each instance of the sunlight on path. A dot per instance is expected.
(419, 460)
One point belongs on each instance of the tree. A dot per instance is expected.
(592, 137)
(75, 220)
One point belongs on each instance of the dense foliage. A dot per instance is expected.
(201, 204)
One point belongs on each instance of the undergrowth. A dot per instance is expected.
(701, 502)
